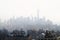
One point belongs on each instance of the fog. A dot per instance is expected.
(49, 9)
(27, 23)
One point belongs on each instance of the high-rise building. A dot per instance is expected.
(38, 14)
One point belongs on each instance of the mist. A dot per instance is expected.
(27, 23)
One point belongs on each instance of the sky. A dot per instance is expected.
(50, 9)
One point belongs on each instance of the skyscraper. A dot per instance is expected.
(38, 14)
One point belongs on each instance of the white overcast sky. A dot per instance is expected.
(50, 9)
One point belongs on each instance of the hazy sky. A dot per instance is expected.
(50, 9)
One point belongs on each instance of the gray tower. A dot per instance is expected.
(38, 14)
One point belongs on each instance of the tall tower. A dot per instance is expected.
(38, 14)
(32, 17)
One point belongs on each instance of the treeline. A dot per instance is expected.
(26, 35)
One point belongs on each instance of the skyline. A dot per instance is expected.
(50, 9)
